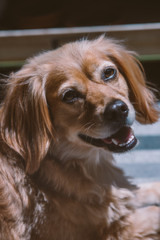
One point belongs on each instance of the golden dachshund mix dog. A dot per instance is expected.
(64, 114)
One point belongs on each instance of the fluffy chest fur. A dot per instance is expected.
(66, 199)
(79, 197)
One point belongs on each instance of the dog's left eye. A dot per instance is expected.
(109, 73)
(71, 96)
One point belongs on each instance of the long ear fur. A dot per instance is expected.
(141, 96)
(26, 125)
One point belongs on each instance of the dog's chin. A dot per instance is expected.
(121, 141)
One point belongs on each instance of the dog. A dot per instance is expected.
(64, 114)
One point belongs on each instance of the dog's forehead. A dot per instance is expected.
(73, 61)
(81, 76)
(77, 64)
(80, 53)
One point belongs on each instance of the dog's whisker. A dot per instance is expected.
(88, 127)
(85, 126)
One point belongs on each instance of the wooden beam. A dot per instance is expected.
(21, 44)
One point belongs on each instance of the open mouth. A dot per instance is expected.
(121, 141)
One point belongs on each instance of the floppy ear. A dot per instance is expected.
(26, 125)
(141, 96)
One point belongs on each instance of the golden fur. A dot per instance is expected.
(54, 185)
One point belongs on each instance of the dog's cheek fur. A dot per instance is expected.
(65, 116)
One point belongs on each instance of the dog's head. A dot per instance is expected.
(86, 92)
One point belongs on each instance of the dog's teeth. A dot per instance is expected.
(123, 144)
(115, 141)
(130, 139)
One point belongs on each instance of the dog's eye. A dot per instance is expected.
(71, 96)
(109, 73)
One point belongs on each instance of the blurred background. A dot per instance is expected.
(28, 27)
(49, 14)
(24, 14)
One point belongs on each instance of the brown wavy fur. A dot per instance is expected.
(47, 189)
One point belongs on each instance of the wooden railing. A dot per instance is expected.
(17, 45)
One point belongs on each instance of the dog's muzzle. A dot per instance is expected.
(116, 115)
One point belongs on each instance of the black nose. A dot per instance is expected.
(116, 111)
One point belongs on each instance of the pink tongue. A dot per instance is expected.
(121, 136)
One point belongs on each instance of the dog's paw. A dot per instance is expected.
(145, 223)
(148, 194)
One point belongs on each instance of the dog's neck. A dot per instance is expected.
(66, 151)
(95, 164)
